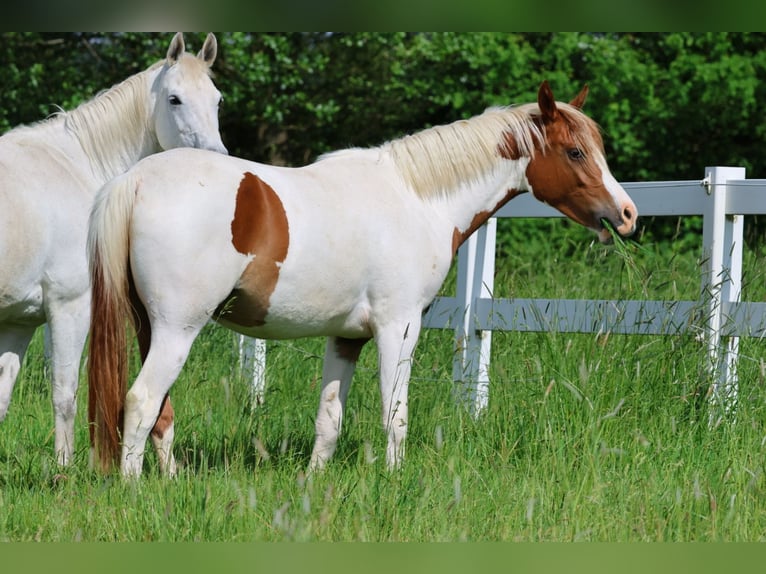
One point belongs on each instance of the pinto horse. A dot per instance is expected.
(49, 175)
(353, 247)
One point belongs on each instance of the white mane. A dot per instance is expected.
(439, 159)
(115, 127)
(106, 125)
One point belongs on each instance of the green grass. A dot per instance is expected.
(586, 438)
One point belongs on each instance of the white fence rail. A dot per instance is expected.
(722, 197)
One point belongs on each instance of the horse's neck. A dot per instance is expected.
(113, 142)
(50, 143)
(475, 202)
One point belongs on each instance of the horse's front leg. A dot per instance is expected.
(340, 360)
(396, 344)
(13, 344)
(68, 323)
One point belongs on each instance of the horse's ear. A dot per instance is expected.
(547, 102)
(176, 48)
(209, 50)
(579, 99)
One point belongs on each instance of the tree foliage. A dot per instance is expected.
(669, 103)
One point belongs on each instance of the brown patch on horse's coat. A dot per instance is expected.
(457, 240)
(259, 228)
(459, 237)
(508, 148)
(349, 349)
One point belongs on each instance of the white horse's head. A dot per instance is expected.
(186, 100)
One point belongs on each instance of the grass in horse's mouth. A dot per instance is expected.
(625, 248)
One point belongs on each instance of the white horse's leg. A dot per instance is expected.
(396, 343)
(13, 344)
(339, 364)
(68, 324)
(167, 355)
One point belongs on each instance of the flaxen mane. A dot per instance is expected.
(440, 159)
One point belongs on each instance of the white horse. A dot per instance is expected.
(49, 175)
(353, 247)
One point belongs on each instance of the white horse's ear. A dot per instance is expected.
(176, 48)
(209, 50)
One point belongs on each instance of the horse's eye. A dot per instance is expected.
(575, 154)
(174, 100)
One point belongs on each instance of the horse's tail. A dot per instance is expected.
(108, 253)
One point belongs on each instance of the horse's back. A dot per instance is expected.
(324, 211)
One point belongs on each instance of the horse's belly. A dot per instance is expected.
(21, 273)
(42, 241)
(26, 309)
(282, 315)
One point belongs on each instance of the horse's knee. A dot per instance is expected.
(5, 401)
(10, 365)
(65, 402)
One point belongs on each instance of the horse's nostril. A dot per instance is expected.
(627, 214)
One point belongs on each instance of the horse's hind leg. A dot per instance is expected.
(162, 435)
(339, 364)
(163, 432)
(13, 344)
(169, 349)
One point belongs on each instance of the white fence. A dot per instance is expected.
(722, 197)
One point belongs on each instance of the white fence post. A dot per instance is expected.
(722, 239)
(475, 279)
(252, 359)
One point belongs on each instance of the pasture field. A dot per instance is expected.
(586, 438)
